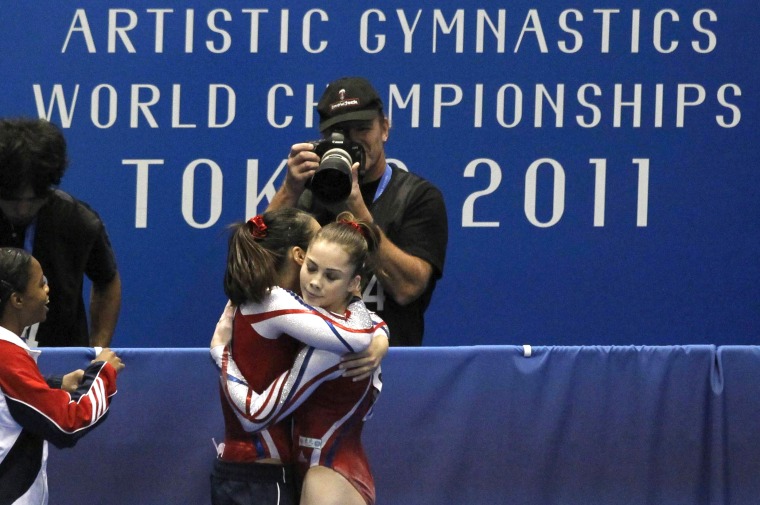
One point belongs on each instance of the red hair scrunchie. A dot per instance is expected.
(353, 224)
(258, 227)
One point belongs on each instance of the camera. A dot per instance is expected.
(331, 183)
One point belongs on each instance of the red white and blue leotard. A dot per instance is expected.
(266, 338)
(328, 426)
(329, 410)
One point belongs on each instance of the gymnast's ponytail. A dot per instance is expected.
(258, 249)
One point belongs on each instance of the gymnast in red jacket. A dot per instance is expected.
(35, 410)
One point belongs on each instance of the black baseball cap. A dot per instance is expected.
(348, 99)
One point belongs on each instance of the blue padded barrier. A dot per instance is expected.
(461, 426)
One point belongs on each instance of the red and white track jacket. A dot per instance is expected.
(32, 413)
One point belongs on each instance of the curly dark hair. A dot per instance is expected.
(32, 153)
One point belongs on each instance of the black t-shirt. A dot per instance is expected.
(70, 241)
(412, 213)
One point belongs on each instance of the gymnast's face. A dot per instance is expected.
(35, 297)
(327, 276)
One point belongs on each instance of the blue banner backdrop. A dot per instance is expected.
(598, 160)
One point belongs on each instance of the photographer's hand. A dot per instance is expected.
(355, 202)
(302, 163)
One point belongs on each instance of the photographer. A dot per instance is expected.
(409, 210)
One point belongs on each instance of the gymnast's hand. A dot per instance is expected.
(110, 357)
(223, 330)
(72, 380)
(361, 365)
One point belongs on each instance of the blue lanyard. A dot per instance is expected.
(30, 332)
(31, 230)
(384, 180)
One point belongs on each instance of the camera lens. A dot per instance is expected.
(332, 180)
